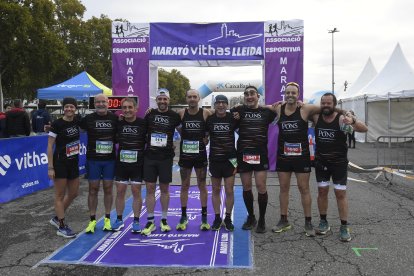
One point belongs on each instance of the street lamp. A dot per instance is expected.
(334, 30)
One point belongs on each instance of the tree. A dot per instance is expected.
(176, 83)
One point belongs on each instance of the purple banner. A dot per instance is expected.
(191, 247)
(130, 62)
(283, 64)
(217, 41)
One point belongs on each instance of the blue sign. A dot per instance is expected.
(24, 163)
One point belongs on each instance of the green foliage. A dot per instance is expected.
(176, 83)
(44, 42)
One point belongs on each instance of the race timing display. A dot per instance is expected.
(114, 102)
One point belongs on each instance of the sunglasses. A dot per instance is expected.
(292, 83)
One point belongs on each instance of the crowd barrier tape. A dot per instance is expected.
(24, 165)
(381, 170)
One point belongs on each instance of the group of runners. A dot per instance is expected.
(145, 154)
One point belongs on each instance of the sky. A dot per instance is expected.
(367, 29)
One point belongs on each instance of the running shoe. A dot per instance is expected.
(107, 225)
(228, 224)
(345, 233)
(164, 226)
(149, 228)
(117, 225)
(217, 224)
(204, 226)
(250, 223)
(65, 232)
(261, 227)
(182, 225)
(282, 226)
(91, 227)
(309, 231)
(55, 222)
(135, 227)
(323, 227)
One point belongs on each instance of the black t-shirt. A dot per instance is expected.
(160, 133)
(253, 128)
(101, 135)
(67, 143)
(221, 130)
(131, 139)
(193, 131)
(293, 135)
(331, 145)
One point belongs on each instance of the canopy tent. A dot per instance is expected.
(368, 74)
(385, 103)
(80, 87)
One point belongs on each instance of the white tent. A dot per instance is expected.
(386, 102)
(368, 74)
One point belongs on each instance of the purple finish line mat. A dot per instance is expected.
(189, 248)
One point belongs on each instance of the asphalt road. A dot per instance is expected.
(381, 218)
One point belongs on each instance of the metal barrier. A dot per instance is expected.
(396, 153)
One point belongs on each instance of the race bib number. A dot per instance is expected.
(293, 149)
(72, 148)
(233, 161)
(159, 140)
(251, 158)
(104, 147)
(190, 146)
(128, 156)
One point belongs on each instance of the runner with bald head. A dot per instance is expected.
(101, 129)
(193, 155)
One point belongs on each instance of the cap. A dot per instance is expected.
(69, 100)
(221, 98)
(163, 92)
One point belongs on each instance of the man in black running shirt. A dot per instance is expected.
(252, 154)
(293, 155)
(131, 135)
(158, 158)
(101, 129)
(193, 155)
(223, 159)
(331, 160)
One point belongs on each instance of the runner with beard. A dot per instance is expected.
(293, 155)
(100, 157)
(331, 160)
(158, 158)
(193, 155)
(252, 154)
(131, 135)
(223, 160)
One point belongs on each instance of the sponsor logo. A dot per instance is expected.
(250, 115)
(72, 131)
(326, 134)
(103, 124)
(128, 129)
(5, 162)
(192, 125)
(287, 125)
(221, 127)
(161, 119)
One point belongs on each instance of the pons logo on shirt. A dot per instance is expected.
(30, 160)
(290, 125)
(161, 119)
(103, 124)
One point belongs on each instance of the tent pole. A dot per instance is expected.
(389, 118)
(366, 115)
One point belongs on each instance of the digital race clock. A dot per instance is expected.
(114, 102)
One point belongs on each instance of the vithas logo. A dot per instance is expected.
(5, 162)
